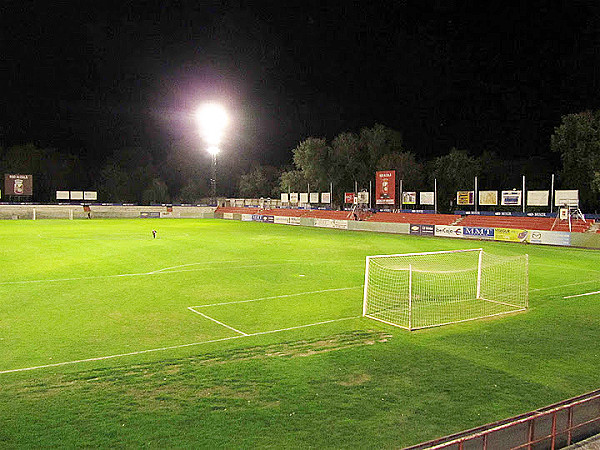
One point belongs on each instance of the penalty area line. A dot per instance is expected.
(582, 295)
(172, 347)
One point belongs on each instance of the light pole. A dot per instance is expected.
(212, 119)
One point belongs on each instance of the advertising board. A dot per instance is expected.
(449, 231)
(385, 187)
(550, 237)
(465, 197)
(510, 235)
(478, 232)
(427, 198)
(18, 184)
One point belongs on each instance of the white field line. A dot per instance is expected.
(277, 296)
(582, 295)
(164, 271)
(564, 285)
(172, 347)
(216, 321)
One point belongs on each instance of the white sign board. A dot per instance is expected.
(284, 197)
(62, 195)
(304, 197)
(325, 197)
(314, 197)
(488, 198)
(90, 195)
(566, 198)
(293, 197)
(76, 195)
(537, 198)
(363, 197)
(427, 198)
(511, 198)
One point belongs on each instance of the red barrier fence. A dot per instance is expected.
(554, 426)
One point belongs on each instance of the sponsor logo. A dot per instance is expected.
(484, 233)
(415, 229)
(448, 231)
(427, 230)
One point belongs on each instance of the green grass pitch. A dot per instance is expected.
(229, 334)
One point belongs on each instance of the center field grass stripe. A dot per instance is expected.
(172, 347)
(563, 285)
(277, 296)
(216, 321)
(582, 295)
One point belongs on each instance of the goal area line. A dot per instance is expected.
(445, 323)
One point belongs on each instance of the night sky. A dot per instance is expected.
(90, 79)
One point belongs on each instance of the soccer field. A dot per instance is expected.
(223, 333)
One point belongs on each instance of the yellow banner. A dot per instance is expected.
(510, 235)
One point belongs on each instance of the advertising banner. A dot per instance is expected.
(281, 220)
(349, 197)
(363, 197)
(449, 231)
(16, 184)
(465, 197)
(415, 229)
(510, 235)
(565, 198)
(62, 195)
(325, 197)
(314, 197)
(427, 198)
(511, 198)
(409, 198)
(293, 197)
(90, 195)
(76, 195)
(550, 237)
(478, 232)
(245, 217)
(537, 198)
(304, 197)
(385, 187)
(285, 197)
(488, 198)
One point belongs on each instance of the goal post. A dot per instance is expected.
(422, 290)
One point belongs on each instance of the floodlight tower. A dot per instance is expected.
(212, 119)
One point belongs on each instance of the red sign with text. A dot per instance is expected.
(385, 187)
(349, 197)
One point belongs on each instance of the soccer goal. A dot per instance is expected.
(421, 290)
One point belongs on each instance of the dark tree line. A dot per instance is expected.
(136, 175)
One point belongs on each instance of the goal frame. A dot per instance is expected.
(410, 288)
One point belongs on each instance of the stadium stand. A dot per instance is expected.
(415, 218)
(529, 223)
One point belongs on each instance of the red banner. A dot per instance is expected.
(385, 187)
(349, 197)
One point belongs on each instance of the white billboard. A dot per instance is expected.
(76, 195)
(62, 195)
(325, 197)
(427, 198)
(293, 197)
(284, 197)
(90, 195)
(304, 197)
(488, 198)
(537, 198)
(566, 198)
(314, 197)
(511, 198)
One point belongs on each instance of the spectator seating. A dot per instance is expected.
(414, 218)
(529, 223)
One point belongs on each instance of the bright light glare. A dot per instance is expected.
(212, 119)
(213, 150)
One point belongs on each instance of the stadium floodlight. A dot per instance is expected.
(421, 290)
(212, 120)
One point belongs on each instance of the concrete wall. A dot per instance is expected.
(101, 211)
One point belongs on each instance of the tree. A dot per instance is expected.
(293, 181)
(454, 171)
(577, 140)
(262, 181)
(312, 157)
(407, 168)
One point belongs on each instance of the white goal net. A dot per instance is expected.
(421, 290)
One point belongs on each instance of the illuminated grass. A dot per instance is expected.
(73, 290)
